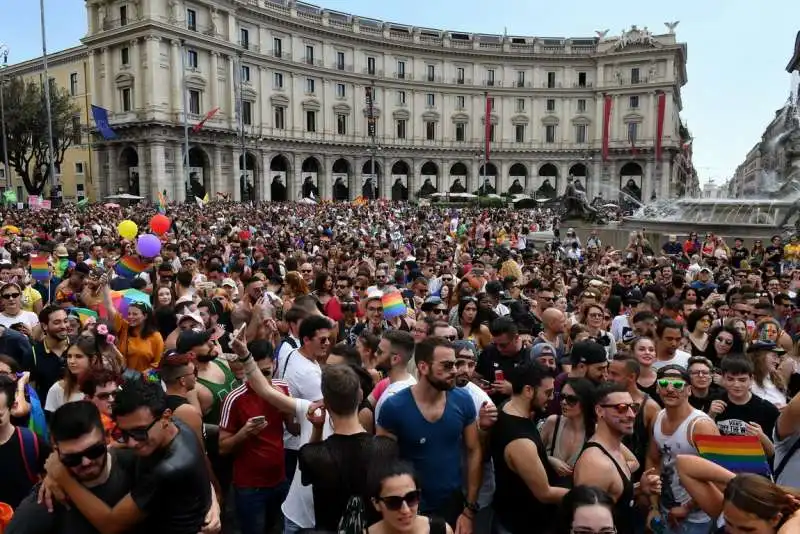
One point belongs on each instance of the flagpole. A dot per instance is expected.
(88, 133)
(7, 175)
(487, 118)
(186, 184)
(54, 192)
(240, 113)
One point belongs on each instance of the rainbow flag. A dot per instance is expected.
(738, 454)
(83, 314)
(123, 299)
(130, 266)
(40, 269)
(393, 305)
(36, 421)
(162, 203)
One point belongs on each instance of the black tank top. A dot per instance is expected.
(175, 401)
(624, 507)
(639, 440)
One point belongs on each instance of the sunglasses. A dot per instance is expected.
(9, 296)
(677, 383)
(395, 502)
(104, 396)
(724, 341)
(76, 458)
(623, 407)
(439, 311)
(570, 400)
(136, 434)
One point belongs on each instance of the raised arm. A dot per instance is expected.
(705, 481)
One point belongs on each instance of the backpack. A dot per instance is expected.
(292, 343)
(29, 445)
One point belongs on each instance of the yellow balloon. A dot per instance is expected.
(128, 229)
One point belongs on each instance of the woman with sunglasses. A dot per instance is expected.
(745, 503)
(723, 340)
(698, 324)
(396, 497)
(81, 356)
(565, 433)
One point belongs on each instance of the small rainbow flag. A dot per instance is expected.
(738, 454)
(83, 314)
(40, 269)
(130, 266)
(123, 299)
(393, 305)
(162, 203)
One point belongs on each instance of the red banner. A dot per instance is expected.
(487, 134)
(662, 106)
(606, 124)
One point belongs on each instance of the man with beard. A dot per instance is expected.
(673, 434)
(179, 373)
(79, 440)
(503, 354)
(209, 311)
(604, 460)
(392, 356)
(525, 480)
(431, 422)
(46, 363)
(172, 491)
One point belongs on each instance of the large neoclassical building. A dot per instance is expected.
(291, 83)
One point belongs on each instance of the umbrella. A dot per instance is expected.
(111, 205)
(124, 196)
(307, 200)
(123, 299)
(11, 229)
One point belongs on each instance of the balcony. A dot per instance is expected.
(372, 72)
(548, 85)
(280, 54)
(247, 45)
(403, 76)
(578, 85)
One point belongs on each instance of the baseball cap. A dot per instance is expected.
(189, 339)
(544, 349)
(589, 353)
(193, 316)
(672, 370)
(61, 251)
(494, 287)
(374, 295)
(430, 303)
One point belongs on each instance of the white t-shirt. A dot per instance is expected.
(393, 389)
(27, 318)
(618, 326)
(55, 397)
(304, 378)
(680, 358)
(299, 503)
(769, 393)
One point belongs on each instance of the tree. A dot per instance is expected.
(26, 130)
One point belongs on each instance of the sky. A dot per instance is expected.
(737, 49)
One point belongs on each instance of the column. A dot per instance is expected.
(136, 70)
(295, 181)
(598, 118)
(616, 120)
(474, 176)
(158, 174)
(266, 183)
(213, 80)
(385, 179)
(176, 69)
(324, 180)
(145, 171)
(647, 182)
(236, 155)
(112, 186)
(108, 91)
(232, 96)
(216, 173)
(150, 84)
(563, 174)
(595, 188)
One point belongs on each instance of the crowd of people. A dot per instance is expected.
(387, 368)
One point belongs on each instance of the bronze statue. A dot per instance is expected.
(546, 190)
(340, 190)
(458, 187)
(368, 190)
(486, 189)
(399, 190)
(516, 188)
(310, 189)
(427, 188)
(575, 205)
(277, 189)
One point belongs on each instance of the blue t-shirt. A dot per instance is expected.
(433, 448)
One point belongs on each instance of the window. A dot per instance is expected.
(633, 102)
(123, 15)
(194, 102)
(277, 47)
(309, 54)
(460, 75)
(77, 137)
(550, 133)
(633, 130)
(401, 98)
(491, 103)
(247, 113)
(581, 79)
(126, 99)
(401, 129)
(79, 168)
(430, 130)
(279, 113)
(371, 66)
(551, 104)
(192, 58)
(311, 121)
(401, 70)
(341, 90)
(491, 133)
(461, 132)
(551, 80)
(245, 73)
(520, 105)
(581, 105)
(124, 56)
(340, 60)
(73, 84)
(490, 77)
(519, 133)
(520, 78)
(431, 73)
(278, 80)
(635, 75)
(310, 86)
(244, 38)
(580, 134)
(460, 102)
(191, 19)
(341, 124)
(430, 100)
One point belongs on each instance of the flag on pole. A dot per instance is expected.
(100, 116)
(487, 134)
(739, 454)
(162, 203)
(199, 126)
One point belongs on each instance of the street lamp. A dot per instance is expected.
(4, 56)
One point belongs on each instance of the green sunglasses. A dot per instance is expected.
(677, 383)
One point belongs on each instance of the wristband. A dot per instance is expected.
(246, 357)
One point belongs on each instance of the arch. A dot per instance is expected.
(341, 179)
(488, 179)
(579, 173)
(279, 174)
(400, 180)
(199, 172)
(630, 184)
(518, 174)
(129, 165)
(370, 185)
(457, 179)
(429, 174)
(310, 171)
(248, 177)
(548, 181)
